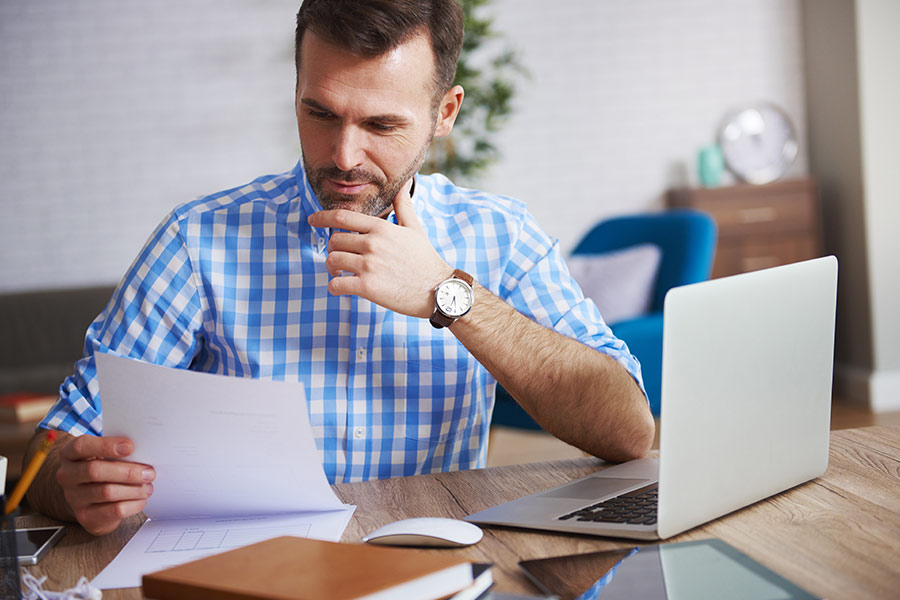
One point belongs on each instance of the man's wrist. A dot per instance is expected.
(453, 298)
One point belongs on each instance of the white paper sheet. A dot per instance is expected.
(225, 450)
(221, 446)
(160, 544)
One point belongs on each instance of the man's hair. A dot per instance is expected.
(371, 28)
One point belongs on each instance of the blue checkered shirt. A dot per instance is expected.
(235, 284)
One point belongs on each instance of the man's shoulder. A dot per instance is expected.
(448, 199)
(265, 190)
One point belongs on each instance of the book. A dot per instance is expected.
(293, 568)
(483, 580)
(24, 408)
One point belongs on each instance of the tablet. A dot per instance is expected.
(33, 544)
(696, 570)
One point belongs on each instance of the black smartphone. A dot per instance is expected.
(33, 544)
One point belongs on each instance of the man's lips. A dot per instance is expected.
(346, 187)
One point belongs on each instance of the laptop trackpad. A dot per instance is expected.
(593, 487)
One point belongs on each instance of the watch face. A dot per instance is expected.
(758, 143)
(454, 298)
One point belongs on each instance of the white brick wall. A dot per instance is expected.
(624, 94)
(113, 111)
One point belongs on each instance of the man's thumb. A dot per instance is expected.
(403, 208)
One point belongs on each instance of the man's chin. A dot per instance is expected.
(367, 206)
(335, 204)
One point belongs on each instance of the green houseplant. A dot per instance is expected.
(489, 71)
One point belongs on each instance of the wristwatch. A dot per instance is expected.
(453, 298)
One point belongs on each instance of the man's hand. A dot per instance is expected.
(100, 490)
(394, 266)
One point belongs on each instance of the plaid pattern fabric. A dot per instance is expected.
(235, 284)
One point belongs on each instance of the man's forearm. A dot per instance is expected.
(576, 393)
(45, 494)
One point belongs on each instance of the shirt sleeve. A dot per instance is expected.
(537, 283)
(154, 315)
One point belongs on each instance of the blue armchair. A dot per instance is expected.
(686, 239)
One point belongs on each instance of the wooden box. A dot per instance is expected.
(759, 226)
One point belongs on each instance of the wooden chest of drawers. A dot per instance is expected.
(759, 226)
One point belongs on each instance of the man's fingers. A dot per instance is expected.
(104, 471)
(346, 285)
(403, 208)
(101, 488)
(338, 262)
(344, 219)
(350, 242)
(100, 519)
(90, 446)
(103, 493)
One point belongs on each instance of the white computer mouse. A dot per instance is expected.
(429, 531)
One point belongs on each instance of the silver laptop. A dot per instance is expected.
(746, 410)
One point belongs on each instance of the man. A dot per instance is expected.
(350, 274)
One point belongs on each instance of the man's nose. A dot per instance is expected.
(348, 151)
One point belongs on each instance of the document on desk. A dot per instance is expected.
(235, 461)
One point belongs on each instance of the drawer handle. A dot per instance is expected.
(757, 215)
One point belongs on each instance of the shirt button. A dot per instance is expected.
(361, 354)
(320, 243)
(358, 433)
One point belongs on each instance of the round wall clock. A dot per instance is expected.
(758, 143)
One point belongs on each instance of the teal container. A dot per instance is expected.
(710, 165)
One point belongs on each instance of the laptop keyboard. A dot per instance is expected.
(637, 507)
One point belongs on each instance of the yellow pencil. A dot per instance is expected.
(28, 476)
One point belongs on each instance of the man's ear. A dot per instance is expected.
(448, 110)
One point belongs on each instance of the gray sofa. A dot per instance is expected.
(42, 335)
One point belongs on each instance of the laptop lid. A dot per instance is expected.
(746, 389)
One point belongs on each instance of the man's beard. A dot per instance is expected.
(372, 203)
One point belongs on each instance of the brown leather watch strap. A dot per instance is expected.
(439, 320)
(464, 276)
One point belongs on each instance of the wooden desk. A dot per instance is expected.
(837, 536)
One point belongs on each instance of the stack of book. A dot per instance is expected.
(293, 568)
(24, 408)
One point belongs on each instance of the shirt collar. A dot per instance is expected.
(309, 204)
(308, 199)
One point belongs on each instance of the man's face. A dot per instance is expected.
(365, 123)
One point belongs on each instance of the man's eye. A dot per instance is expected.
(319, 114)
(382, 127)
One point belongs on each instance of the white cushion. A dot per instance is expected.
(620, 282)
